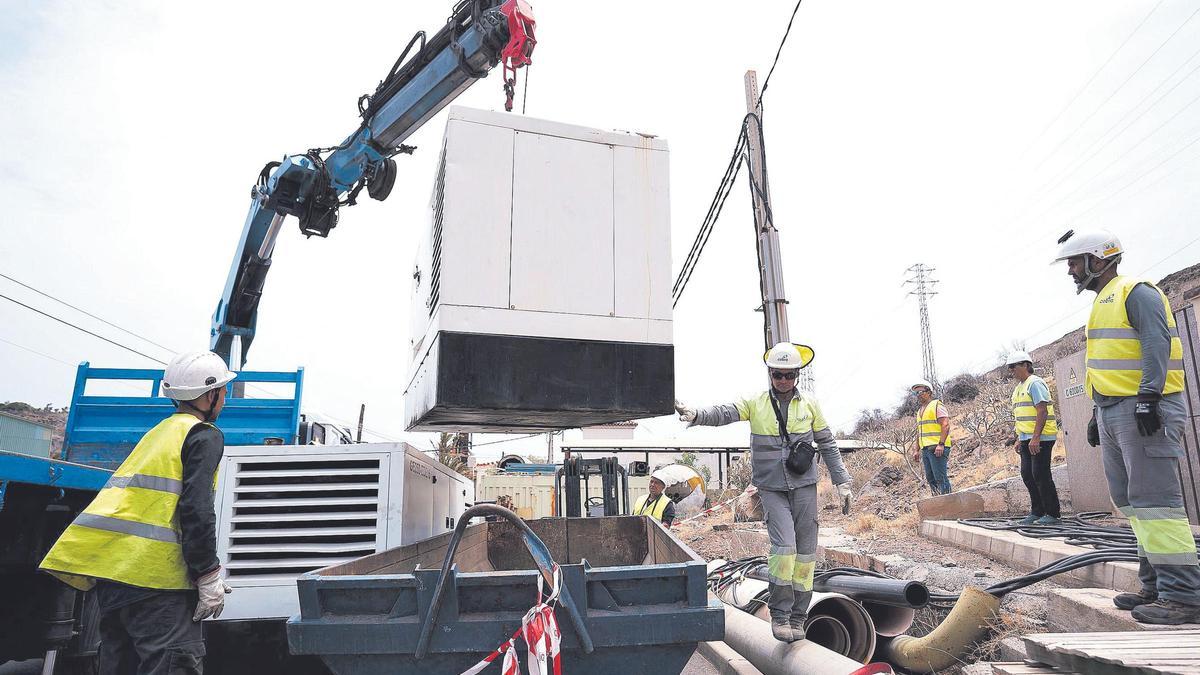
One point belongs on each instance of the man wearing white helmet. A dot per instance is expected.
(656, 504)
(787, 430)
(147, 544)
(933, 438)
(1135, 378)
(1037, 429)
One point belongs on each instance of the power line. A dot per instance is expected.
(505, 440)
(779, 51)
(79, 328)
(84, 311)
(1093, 77)
(1087, 154)
(34, 351)
(1118, 89)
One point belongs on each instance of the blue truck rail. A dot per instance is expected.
(101, 430)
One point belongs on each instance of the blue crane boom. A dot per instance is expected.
(313, 185)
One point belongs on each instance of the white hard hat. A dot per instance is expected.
(188, 376)
(1100, 243)
(1018, 357)
(921, 383)
(789, 356)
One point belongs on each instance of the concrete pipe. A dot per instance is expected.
(967, 623)
(752, 639)
(835, 622)
(890, 620)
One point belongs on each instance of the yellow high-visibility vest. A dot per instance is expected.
(928, 428)
(654, 510)
(130, 531)
(1025, 412)
(1114, 352)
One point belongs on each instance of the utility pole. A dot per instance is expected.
(921, 278)
(550, 447)
(770, 269)
(362, 412)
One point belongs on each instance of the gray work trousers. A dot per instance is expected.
(153, 636)
(1143, 481)
(791, 517)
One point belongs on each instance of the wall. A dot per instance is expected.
(20, 436)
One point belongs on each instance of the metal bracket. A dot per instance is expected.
(55, 473)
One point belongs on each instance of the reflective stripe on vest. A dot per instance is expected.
(1114, 351)
(130, 531)
(928, 427)
(1025, 411)
(655, 510)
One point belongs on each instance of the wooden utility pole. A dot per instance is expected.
(770, 268)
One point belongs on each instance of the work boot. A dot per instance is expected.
(1167, 613)
(1028, 520)
(1128, 601)
(1048, 520)
(797, 623)
(782, 630)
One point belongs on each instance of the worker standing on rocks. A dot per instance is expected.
(933, 438)
(147, 544)
(784, 426)
(1135, 378)
(1037, 430)
(656, 504)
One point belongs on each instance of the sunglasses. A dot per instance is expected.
(783, 375)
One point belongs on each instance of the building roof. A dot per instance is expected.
(631, 424)
(35, 423)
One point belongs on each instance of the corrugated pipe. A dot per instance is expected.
(966, 624)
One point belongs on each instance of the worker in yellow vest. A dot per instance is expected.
(1037, 430)
(147, 544)
(657, 505)
(788, 433)
(1135, 378)
(933, 438)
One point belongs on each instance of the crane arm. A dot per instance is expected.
(312, 186)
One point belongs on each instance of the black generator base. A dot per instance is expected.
(472, 382)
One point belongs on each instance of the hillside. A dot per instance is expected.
(55, 418)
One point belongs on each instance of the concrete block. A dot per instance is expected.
(1090, 610)
(1012, 649)
(1125, 577)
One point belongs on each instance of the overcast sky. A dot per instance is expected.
(963, 135)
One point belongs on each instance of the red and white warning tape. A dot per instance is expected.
(539, 630)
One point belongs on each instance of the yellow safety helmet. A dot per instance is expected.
(789, 356)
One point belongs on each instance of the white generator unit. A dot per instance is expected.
(289, 509)
(542, 290)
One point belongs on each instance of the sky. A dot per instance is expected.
(963, 135)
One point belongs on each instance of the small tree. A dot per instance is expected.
(449, 453)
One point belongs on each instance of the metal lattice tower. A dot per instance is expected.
(922, 281)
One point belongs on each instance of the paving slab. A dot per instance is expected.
(1021, 552)
(1078, 610)
(1140, 653)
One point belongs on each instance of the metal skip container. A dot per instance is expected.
(641, 593)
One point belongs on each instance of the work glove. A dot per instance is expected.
(1093, 431)
(212, 595)
(686, 414)
(1145, 411)
(846, 495)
